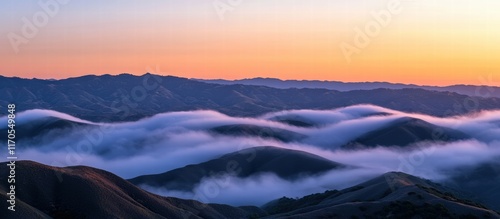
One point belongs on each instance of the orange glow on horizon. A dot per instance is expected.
(426, 44)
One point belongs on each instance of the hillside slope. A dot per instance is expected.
(83, 192)
(406, 131)
(392, 195)
(285, 163)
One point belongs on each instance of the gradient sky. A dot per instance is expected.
(434, 42)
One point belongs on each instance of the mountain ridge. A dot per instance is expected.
(128, 97)
(465, 89)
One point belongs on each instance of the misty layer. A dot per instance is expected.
(438, 147)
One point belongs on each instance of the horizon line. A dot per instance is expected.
(249, 78)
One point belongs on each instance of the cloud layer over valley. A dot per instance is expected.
(173, 140)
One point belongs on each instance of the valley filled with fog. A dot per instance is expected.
(365, 140)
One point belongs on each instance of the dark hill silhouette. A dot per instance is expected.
(258, 131)
(39, 128)
(285, 163)
(83, 192)
(406, 131)
(481, 182)
(392, 195)
(295, 122)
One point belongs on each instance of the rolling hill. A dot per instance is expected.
(83, 192)
(258, 131)
(480, 182)
(44, 127)
(406, 131)
(392, 195)
(285, 163)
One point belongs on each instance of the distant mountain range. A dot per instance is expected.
(84, 192)
(470, 90)
(127, 97)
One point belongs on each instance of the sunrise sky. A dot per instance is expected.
(433, 42)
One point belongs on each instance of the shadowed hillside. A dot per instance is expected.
(481, 182)
(392, 195)
(84, 192)
(406, 131)
(287, 164)
(258, 131)
(43, 127)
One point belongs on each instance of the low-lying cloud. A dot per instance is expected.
(260, 189)
(173, 140)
